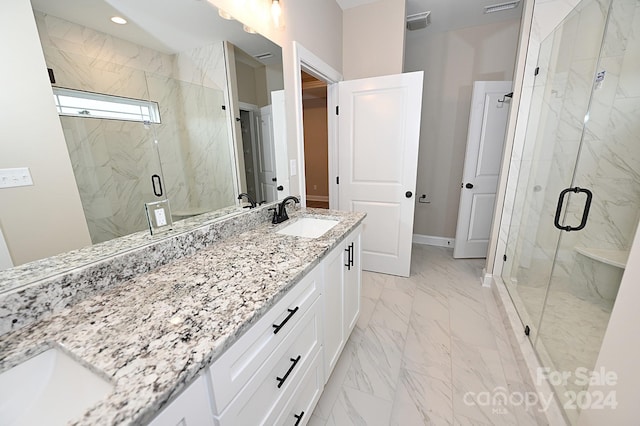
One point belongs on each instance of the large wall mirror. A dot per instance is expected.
(175, 103)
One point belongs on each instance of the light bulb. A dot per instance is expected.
(276, 12)
(225, 15)
(118, 20)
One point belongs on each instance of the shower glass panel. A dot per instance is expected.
(583, 133)
(589, 263)
(552, 142)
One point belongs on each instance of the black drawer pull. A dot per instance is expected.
(298, 418)
(281, 380)
(277, 327)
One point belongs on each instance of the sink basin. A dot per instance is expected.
(49, 389)
(308, 227)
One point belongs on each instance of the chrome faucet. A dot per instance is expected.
(280, 212)
(249, 198)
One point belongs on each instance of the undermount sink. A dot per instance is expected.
(49, 389)
(309, 227)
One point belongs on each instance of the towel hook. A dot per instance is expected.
(504, 98)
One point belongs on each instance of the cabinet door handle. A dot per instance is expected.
(351, 250)
(348, 264)
(298, 418)
(277, 327)
(281, 380)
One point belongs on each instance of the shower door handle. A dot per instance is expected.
(585, 212)
(157, 185)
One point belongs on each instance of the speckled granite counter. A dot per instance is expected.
(126, 333)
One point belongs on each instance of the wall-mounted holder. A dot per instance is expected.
(158, 216)
(423, 199)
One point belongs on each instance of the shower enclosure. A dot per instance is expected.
(577, 199)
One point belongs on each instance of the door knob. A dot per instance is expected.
(280, 188)
(469, 186)
(408, 194)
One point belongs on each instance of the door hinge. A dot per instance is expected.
(337, 110)
(527, 330)
(337, 180)
(504, 257)
(536, 71)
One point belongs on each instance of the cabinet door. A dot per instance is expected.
(334, 336)
(191, 408)
(352, 282)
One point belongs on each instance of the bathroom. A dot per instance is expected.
(346, 49)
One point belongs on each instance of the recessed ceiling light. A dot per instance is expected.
(248, 29)
(502, 6)
(118, 20)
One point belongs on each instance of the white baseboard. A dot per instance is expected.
(433, 241)
(321, 198)
(486, 279)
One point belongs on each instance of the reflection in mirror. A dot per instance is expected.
(172, 58)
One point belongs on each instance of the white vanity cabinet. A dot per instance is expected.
(275, 372)
(191, 408)
(341, 297)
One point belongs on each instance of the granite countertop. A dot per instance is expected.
(152, 335)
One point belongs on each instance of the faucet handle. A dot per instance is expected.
(274, 220)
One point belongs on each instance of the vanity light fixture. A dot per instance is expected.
(501, 6)
(248, 29)
(276, 12)
(225, 15)
(118, 20)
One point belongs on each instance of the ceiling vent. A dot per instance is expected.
(501, 6)
(418, 21)
(262, 56)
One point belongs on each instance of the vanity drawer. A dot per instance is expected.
(273, 384)
(243, 359)
(305, 397)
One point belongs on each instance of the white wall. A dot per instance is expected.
(373, 39)
(31, 136)
(452, 61)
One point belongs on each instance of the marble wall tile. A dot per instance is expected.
(193, 137)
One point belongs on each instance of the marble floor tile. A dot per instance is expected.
(354, 407)
(422, 400)
(376, 362)
(392, 311)
(421, 344)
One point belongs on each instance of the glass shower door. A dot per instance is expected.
(578, 198)
(560, 100)
(589, 263)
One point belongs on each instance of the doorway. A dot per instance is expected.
(316, 140)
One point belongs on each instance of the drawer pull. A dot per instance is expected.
(298, 418)
(277, 327)
(281, 380)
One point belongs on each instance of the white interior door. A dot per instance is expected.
(266, 156)
(379, 129)
(278, 114)
(485, 141)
